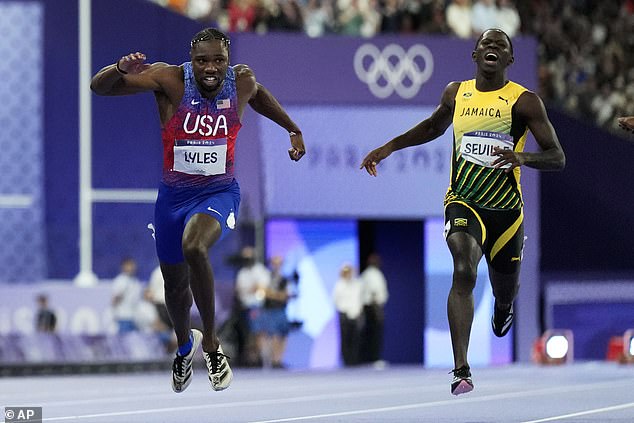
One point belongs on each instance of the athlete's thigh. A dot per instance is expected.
(222, 207)
(169, 223)
(464, 233)
(201, 228)
(505, 242)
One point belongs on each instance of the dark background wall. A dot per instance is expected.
(400, 245)
(586, 210)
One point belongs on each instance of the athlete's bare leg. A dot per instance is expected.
(201, 232)
(505, 287)
(466, 255)
(178, 299)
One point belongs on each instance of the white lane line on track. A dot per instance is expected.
(454, 402)
(310, 398)
(583, 413)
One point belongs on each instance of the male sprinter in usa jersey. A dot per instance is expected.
(483, 206)
(200, 105)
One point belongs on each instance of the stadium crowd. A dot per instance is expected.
(583, 44)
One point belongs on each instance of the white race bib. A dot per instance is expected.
(200, 157)
(477, 147)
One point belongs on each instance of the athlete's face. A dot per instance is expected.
(493, 52)
(210, 60)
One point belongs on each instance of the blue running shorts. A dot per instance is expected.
(176, 205)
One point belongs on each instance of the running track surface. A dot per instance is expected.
(522, 393)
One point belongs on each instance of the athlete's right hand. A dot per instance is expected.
(373, 158)
(133, 63)
(627, 123)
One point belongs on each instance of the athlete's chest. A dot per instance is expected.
(473, 106)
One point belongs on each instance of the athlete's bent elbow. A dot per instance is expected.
(98, 88)
(561, 163)
(95, 89)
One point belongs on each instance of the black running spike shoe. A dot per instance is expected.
(502, 320)
(461, 383)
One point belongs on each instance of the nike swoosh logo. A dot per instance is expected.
(215, 211)
(194, 102)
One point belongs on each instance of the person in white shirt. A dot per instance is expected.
(458, 17)
(375, 295)
(252, 280)
(508, 18)
(349, 305)
(126, 295)
(484, 15)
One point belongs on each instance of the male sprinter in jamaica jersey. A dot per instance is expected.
(200, 105)
(483, 206)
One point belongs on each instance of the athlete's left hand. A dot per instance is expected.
(506, 157)
(297, 149)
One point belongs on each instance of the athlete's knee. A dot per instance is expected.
(194, 250)
(464, 276)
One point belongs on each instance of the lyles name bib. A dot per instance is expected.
(201, 157)
(477, 147)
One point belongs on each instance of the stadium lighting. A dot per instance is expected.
(555, 346)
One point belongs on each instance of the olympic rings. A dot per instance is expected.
(384, 78)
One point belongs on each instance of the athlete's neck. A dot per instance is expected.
(210, 95)
(490, 82)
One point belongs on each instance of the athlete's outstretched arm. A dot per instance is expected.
(267, 105)
(427, 130)
(530, 108)
(129, 75)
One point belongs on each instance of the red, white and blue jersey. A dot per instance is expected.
(199, 140)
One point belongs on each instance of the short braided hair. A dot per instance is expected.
(208, 34)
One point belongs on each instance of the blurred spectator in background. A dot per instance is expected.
(349, 305)
(273, 330)
(281, 16)
(206, 11)
(242, 15)
(484, 15)
(358, 17)
(126, 295)
(318, 18)
(458, 16)
(251, 282)
(435, 23)
(155, 294)
(374, 295)
(390, 16)
(45, 319)
(508, 18)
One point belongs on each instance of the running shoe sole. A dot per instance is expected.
(462, 388)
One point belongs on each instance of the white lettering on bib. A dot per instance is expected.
(477, 147)
(200, 157)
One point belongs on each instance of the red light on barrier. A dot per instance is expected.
(555, 346)
(628, 347)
